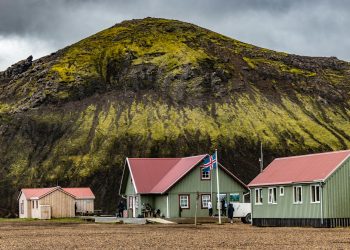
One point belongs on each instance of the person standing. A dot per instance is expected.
(223, 207)
(121, 209)
(230, 211)
(210, 208)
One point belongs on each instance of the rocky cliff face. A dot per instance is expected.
(154, 88)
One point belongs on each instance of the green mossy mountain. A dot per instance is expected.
(162, 88)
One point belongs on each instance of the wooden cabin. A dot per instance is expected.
(54, 202)
(172, 185)
(84, 199)
(307, 190)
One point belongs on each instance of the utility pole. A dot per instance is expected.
(261, 159)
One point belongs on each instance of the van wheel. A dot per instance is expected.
(247, 219)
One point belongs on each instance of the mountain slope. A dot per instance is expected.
(157, 87)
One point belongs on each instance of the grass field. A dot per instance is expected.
(62, 234)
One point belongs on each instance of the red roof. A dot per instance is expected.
(36, 192)
(304, 168)
(157, 175)
(78, 193)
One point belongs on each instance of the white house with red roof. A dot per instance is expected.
(56, 202)
(306, 190)
(172, 185)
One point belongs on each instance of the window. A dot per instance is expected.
(297, 195)
(136, 202)
(130, 202)
(184, 201)
(272, 195)
(281, 191)
(33, 204)
(205, 199)
(37, 204)
(258, 196)
(22, 207)
(205, 174)
(315, 193)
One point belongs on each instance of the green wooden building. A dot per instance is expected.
(172, 185)
(308, 190)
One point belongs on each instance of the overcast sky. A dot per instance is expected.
(306, 27)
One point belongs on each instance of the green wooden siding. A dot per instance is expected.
(335, 198)
(285, 208)
(337, 193)
(190, 184)
(129, 190)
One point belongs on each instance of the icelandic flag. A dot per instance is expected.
(210, 162)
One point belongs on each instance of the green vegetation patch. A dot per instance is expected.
(139, 43)
(280, 66)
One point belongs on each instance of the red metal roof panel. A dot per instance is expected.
(36, 192)
(156, 175)
(304, 168)
(181, 168)
(80, 192)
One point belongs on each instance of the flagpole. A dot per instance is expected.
(217, 183)
(211, 186)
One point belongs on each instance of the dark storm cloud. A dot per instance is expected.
(303, 27)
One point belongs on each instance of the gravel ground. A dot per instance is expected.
(45, 235)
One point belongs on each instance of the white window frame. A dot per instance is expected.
(204, 202)
(281, 191)
(181, 196)
(317, 187)
(130, 202)
(258, 196)
(295, 188)
(206, 176)
(272, 195)
(137, 202)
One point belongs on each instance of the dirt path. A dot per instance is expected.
(37, 235)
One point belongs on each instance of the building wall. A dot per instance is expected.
(26, 207)
(285, 208)
(62, 204)
(192, 183)
(160, 202)
(337, 193)
(130, 192)
(85, 205)
(335, 200)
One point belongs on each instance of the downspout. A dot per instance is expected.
(321, 200)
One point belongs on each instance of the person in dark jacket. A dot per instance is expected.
(121, 208)
(230, 211)
(223, 207)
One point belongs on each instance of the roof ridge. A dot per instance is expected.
(313, 154)
(165, 158)
(147, 158)
(198, 156)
